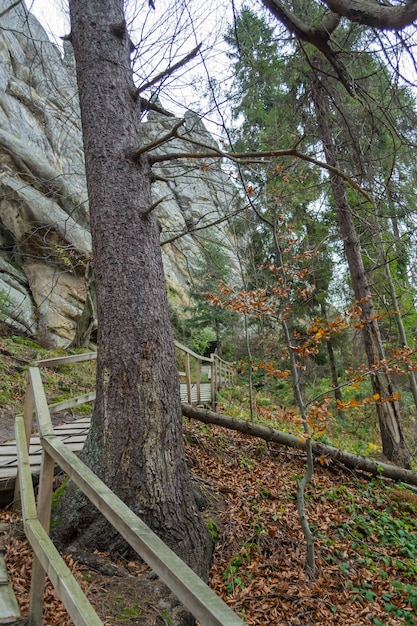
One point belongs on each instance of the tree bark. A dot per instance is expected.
(383, 16)
(392, 436)
(352, 461)
(135, 441)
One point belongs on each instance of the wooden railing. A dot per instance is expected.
(195, 595)
(198, 374)
(201, 372)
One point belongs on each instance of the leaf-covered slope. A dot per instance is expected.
(366, 534)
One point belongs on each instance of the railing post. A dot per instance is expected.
(37, 587)
(188, 376)
(197, 380)
(46, 480)
(28, 412)
(213, 382)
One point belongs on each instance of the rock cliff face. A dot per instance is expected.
(45, 241)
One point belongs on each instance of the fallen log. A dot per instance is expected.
(352, 461)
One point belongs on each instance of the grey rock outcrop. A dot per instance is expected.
(45, 241)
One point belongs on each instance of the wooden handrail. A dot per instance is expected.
(196, 596)
(183, 348)
(62, 360)
(222, 374)
(47, 558)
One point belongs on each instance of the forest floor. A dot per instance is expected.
(365, 531)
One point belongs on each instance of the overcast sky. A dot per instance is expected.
(164, 42)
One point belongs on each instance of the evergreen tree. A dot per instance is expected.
(318, 108)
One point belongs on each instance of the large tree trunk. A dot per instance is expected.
(135, 442)
(392, 436)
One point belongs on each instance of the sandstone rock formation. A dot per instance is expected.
(45, 241)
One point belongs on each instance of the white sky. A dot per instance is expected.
(168, 34)
(52, 15)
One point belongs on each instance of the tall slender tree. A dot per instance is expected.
(392, 436)
(306, 79)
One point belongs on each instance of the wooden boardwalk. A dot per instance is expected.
(73, 435)
(205, 393)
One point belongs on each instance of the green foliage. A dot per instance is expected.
(206, 322)
(383, 535)
(166, 617)
(234, 574)
(213, 529)
(57, 494)
(201, 339)
(129, 612)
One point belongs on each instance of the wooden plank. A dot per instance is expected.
(72, 402)
(76, 447)
(65, 360)
(71, 432)
(41, 405)
(205, 605)
(72, 438)
(82, 422)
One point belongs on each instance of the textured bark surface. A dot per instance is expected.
(392, 436)
(382, 15)
(135, 442)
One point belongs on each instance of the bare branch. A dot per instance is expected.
(154, 205)
(170, 70)
(173, 133)
(147, 105)
(371, 13)
(240, 157)
(195, 229)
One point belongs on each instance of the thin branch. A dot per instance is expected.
(158, 142)
(240, 157)
(170, 70)
(153, 206)
(147, 105)
(162, 179)
(195, 229)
